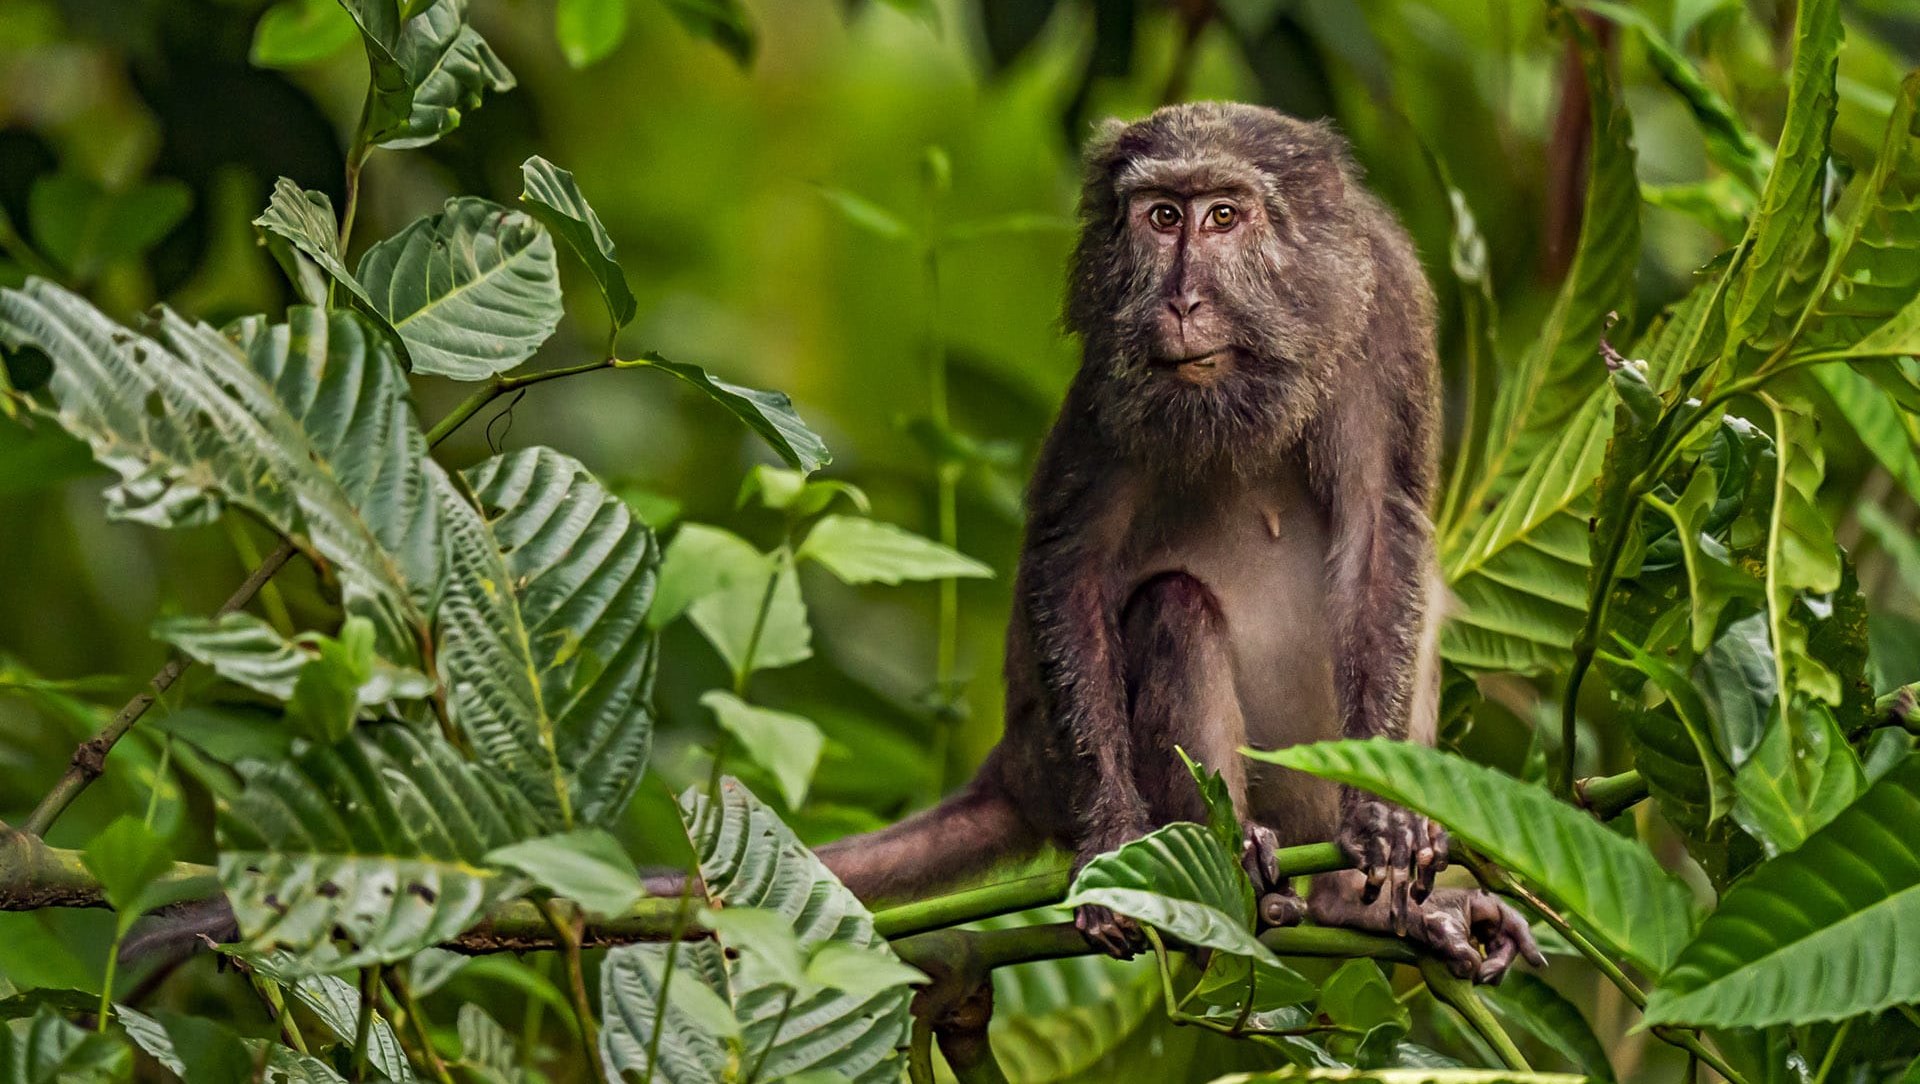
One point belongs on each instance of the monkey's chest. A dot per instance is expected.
(1261, 551)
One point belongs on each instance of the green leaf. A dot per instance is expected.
(193, 1048)
(246, 650)
(1543, 394)
(190, 426)
(1736, 681)
(1799, 778)
(785, 744)
(749, 859)
(85, 228)
(1877, 420)
(1610, 883)
(730, 615)
(1822, 933)
(129, 859)
(868, 215)
(723, 22)
(694, 1028)
(583, 572)
(768, 413)
(51, 1051)
(699, 561)
(765, 936)
(383, 837)
(294, 33)
(305, 220)
(1520, 576)
(342, 381)
(801, 497)
(428, 70)
(473, 290)
(860, 550)
(486, 1048)
(326, 694)
(1546, 1014)
(1713, 583)
(1695, 720)
(1730, 144)
(1358, 995)
(859, 973)
(551, 195)
(587, 866)
(1789, 207)
(589, 29)
(1801, 554)
(333, 1001)
(1053, 1019)
(1180, 880)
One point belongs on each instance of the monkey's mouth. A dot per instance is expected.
(1199, 368)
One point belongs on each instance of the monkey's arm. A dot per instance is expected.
(1374, 458)
(1068, 601)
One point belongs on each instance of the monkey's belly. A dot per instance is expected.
(1262, 553)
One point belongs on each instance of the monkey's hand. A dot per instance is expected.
(1400, 851)
(1471, 930)
(1279, 905)
(1116, 935)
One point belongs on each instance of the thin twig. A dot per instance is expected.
(363, 1026)
(90, 759)
(569, 934)
(416, 1019)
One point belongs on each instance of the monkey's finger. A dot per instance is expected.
(1423, 856)
(1448, 937)
(1500, 953)
(1376, 865)
(1500, 925)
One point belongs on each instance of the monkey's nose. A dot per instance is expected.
(1184, 304)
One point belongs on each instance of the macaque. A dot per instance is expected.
(1228, 540)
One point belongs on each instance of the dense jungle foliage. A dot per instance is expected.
(463, 613)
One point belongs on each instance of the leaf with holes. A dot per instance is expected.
(1827, 931)
(582, 570)
(1610, 883)
(383, 837)
(473, 291)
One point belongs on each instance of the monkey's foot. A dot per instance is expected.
(1116, 935)
(1399, 851)
(1278, 905)
(1471, 930)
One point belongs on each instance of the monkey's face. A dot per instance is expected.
(1218, 277)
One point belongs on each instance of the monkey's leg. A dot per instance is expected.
(1471, 929)
(1181, 692)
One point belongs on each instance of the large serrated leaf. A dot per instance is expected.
(1824, 932)
(190, 426)
(486, 662)
(341, 380)
(427, 70)
(748, 858)
(247, 651)
(382, 837)
(1608, 882)
(473, 290)
(689, 1049)
(583, 571)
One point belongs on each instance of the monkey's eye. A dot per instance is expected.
(1164, 216)
(1222, 216)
